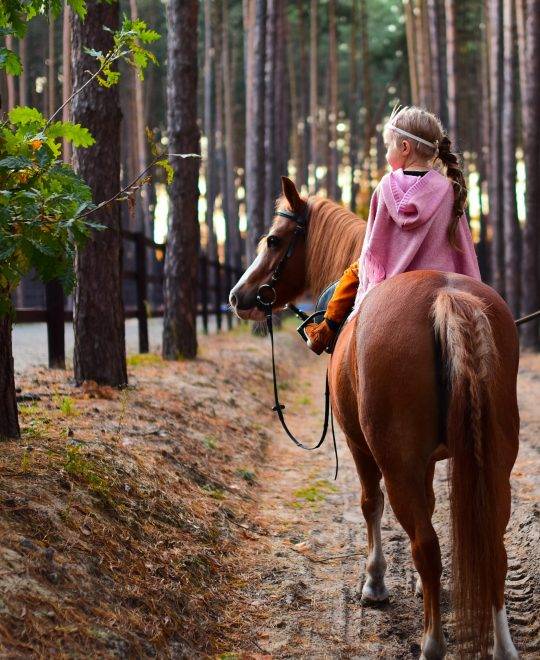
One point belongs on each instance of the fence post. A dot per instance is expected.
(217, 310)
(228, 287)
(54, 302)
(142, 290)
(203, 265)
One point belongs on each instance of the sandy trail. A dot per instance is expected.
(303, 562)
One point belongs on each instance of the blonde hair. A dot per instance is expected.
(427, 126)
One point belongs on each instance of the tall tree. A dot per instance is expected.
(435, 55)
(66, 76)
(100, 352)
(495, 151)
(353, 104)
(142, 195)
(511, 224)
(451, 68)
(11, 99)
(255, 130)
(313, 96)
(270, 150)
(9, 423)
(234, 242)
(210, 129)
(332, 111)
(528, 26)
(181, 258)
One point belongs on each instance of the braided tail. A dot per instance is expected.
(470, 355)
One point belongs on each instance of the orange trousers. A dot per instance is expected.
(343, 299)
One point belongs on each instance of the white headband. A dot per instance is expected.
(433, 145)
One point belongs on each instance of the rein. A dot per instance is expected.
(266, 297)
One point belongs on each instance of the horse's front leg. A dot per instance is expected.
(372, 500)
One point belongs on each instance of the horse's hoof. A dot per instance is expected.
(419, 589)
(374, 592)
(433, 649)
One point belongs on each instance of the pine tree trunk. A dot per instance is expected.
(181, 258)
(234, 241)
(451, 63)
(255, 133)
(269, 114)
(66, 77)
(210, 129)
(434, 53)
(11, 99)
(23, 96)
(528, 23)
(144, 219)
(411, 50)
(332, 174)
(495, 151)
(313, 98)
(369, 123)
(9, 423)
(511, 224)
(51, 70)
(100, 352)
(353, 106)
(282, 99)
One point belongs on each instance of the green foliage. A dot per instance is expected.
(87, 472)
(41, 199)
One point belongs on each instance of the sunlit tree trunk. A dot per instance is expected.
(100, 352)
(528, 25)
(411, 49)
(23, 94)
(181, 258)
(9, 423)
(369, 124)
(11, 98)
(434, 51)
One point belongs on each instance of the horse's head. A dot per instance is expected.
(280, 261)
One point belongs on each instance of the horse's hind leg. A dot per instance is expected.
(407, 494)
(374, 590)
(430, 494)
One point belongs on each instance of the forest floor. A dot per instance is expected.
(175, 519)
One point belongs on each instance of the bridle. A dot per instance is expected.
(266, 298)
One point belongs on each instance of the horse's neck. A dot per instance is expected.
(334, 242)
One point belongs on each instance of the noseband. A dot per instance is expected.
(266, 298)
(266, 293)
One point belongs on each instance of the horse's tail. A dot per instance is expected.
(470, 354)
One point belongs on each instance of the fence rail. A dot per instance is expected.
(143, 262)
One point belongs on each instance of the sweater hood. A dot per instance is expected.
(412, 200)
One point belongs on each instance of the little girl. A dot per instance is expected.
(416, 218)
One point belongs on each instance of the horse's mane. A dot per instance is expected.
(334, 241)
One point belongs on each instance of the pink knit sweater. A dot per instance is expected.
(407, 230)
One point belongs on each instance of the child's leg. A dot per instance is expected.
(321, 334)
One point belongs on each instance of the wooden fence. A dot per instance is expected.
(143, 261)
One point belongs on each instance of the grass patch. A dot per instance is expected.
(66, 405)
(86, 471)
(316, 492)
(216, 493)
(209, 442)
(141, 359)
(304, 400)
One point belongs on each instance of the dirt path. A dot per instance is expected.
(303, 562)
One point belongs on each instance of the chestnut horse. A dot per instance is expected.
(384, 395)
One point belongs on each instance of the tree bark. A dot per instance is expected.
(23, 96)
(210, 129)
(313, 98)
(255, 133)
(144, 219)
(9, 423)
(181, 258)
(332, 171)
(435, 55)
(269, 114)
(100, 352)
(451, 63)
(495, 152)
(528, 25)
(511, 224)
(234, 241)
(51, 69)
(411, 50)
(66, 77)
(11, 100)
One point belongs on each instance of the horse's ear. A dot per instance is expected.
(291, 194)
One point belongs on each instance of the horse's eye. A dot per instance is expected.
(272, 241)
